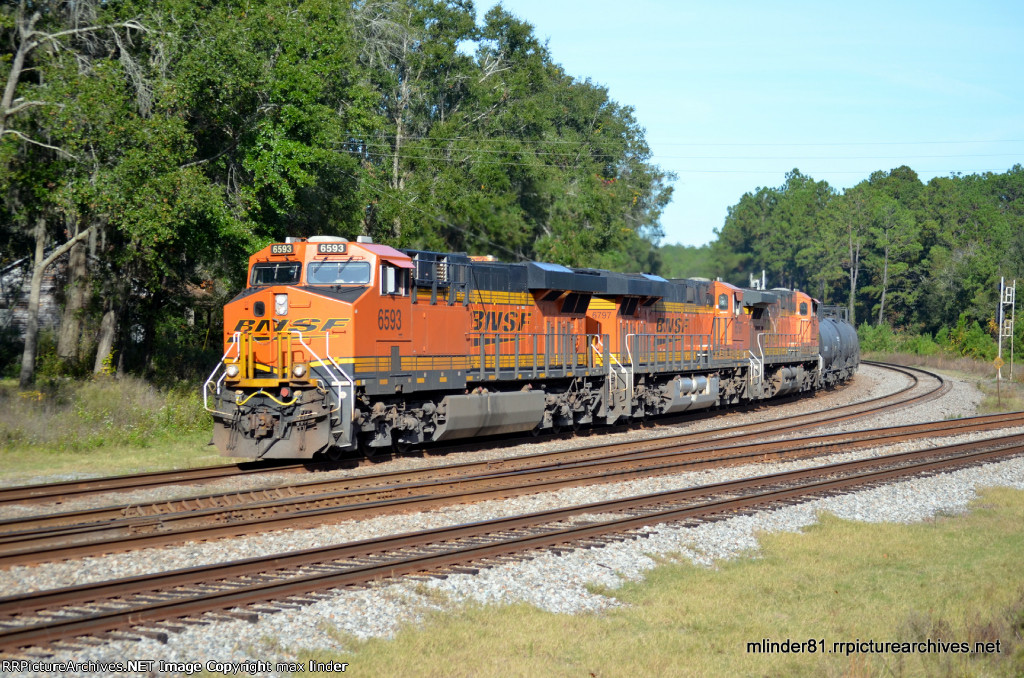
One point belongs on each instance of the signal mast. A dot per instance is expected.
(1007, 296)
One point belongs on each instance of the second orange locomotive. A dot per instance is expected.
(336, 345)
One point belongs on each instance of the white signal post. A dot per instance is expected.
(1007, 298)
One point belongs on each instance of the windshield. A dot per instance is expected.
(277, 273)
(338, 273)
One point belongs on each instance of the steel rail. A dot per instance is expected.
(11, 529)
(348, 504)
(781, 487)
(61, 491)
(234, 499)
(135, 518)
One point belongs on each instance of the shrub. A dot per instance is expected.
(919, 344)
(877, 338)
(84, 415)
(968, 339)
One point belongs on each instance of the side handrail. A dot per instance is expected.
(757, 363)
(611, 355)
(632, 369)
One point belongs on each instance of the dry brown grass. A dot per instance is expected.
(953, 364)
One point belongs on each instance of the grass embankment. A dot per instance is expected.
(953, 579)
(103, 426)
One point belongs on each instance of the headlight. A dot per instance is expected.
(232, 370)
(299, 371)
(281, 304)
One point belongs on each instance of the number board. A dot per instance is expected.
(282, 249)
(330, 248)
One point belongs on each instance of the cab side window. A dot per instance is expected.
(394, 280)
(803, 308)
(723, 302)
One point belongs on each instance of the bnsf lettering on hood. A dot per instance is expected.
(301, 325)
(500, 321)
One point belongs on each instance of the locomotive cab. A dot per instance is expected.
(285, 386)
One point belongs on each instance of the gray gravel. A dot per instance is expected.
(554, 583)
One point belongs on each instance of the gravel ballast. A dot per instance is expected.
(556, 583)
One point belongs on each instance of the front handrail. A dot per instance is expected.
(235, 344)
(342, 386)
(335, 379)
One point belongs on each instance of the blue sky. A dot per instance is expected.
(735, 94)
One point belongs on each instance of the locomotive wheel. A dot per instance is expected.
(371, 453)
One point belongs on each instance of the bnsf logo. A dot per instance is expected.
(671, 325)
(500, 321)
(302, 325)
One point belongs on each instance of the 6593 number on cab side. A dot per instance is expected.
(389, 319)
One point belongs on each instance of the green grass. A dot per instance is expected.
(1006, 396)
(954, 579)
(101, 427)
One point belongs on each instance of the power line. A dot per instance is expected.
(478, 139)
(551, 154)
(820, 172)
(507, 163)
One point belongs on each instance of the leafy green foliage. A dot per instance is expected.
(925, 258)
(185, 135)
(681, 261)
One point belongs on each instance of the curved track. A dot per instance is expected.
(113, 529)
(60, 492)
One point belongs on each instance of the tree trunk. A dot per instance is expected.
(885, 283)
(28, 355)
(39, 266)
(396, 177)
(854, 270)
(108, 332)
(69, 339)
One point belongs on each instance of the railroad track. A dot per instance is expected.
(62, 491)
(156, 604)
(123, 528)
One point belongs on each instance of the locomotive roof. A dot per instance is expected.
(539, 275)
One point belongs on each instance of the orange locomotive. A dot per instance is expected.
(338, 345)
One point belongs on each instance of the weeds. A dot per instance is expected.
(76, 416)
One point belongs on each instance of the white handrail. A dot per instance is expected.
(334, 377)
(236, 345)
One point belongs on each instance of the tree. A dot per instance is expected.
(853, 217)
(895, 239)
(37, 80)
